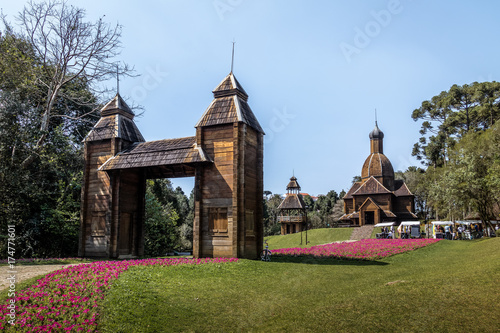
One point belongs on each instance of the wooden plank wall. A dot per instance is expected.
(96, 198)
(215, 183)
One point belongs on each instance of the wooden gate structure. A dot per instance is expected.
(225, 157)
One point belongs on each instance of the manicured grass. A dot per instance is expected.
(314, 237)
(451, 286)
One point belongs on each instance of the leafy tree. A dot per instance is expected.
(309, 202)
(469, 176)
(337, 211)
(175, 202)
(333, 197)
(270, 213)
(356, 179)
(161, 221)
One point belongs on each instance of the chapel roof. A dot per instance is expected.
(400, 188)
(371, 186)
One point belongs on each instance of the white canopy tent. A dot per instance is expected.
(469, 222)
(384, 224)
(443, 222)
(410, 223)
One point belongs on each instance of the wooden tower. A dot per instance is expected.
(112, 208)
(225, 157)
(228, 199)
(292, 210)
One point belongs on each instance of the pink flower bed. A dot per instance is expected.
(367, 249)
(67, 300)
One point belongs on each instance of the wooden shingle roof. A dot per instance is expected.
(157, 153)
(116, 122)
(401, 189)
(117, 105)
(292, 201)
(229, 85)
(115, 126)
(371, 186)
(229, 106)
(293, 184)
(353, 189)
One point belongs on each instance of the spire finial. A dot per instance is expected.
(232, 57)
(117, 80)
(376, 117)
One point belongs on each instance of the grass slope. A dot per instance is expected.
(451, 286)
(314, 237)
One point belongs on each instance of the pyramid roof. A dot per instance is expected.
(292, 201)
(116, 122)
(117, 105)
(229, 106)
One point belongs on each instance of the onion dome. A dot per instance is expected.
(376, 133)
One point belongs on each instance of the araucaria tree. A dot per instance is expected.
(452, 114)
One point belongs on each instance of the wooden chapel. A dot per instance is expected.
(378, 197)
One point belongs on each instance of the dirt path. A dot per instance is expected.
(24, 272)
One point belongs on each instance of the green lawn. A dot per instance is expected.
(451, 286)
(314, 237)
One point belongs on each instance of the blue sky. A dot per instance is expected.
(314, 71)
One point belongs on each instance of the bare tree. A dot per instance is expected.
(68, 48)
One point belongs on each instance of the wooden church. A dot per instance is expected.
(225, 157)
(378, 197)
